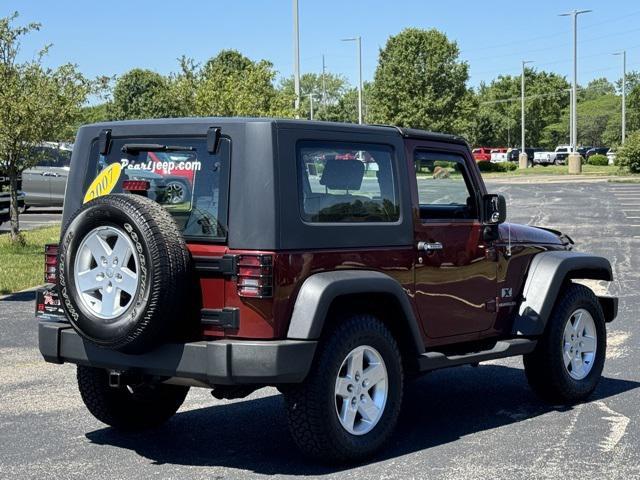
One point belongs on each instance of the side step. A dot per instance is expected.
(504, 348)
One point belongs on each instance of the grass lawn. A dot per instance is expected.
(603, 170)
(22, 267)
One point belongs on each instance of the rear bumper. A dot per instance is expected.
(220, 362)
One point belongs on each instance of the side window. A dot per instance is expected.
(347, 182)
(444, 189)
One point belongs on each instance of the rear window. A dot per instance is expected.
(347, 182)
(188, 181)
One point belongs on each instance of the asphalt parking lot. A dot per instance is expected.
(36, 217)
(463, 423)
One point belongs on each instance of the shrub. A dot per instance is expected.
(628, 155)
(497, 167)
(598, 160)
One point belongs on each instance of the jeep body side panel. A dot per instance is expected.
(320, 290)
(547, 273)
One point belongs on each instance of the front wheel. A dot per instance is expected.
(567, 363)
(128, 407)
(348, 406)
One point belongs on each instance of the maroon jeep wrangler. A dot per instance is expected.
(332, 261)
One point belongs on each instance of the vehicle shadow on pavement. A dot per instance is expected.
(26, 296)
(252, 435)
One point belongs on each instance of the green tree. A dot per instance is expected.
(596, 88)
(633, 81)
(633, 110)
(142, 94)
(232, 85)
(419, 82)
(628, 155)
(36, 104)
(499, 109)
(327, 94)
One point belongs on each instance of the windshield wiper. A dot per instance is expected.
(135, 148)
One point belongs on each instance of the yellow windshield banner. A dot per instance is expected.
(104, 183)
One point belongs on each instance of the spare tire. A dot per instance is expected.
(124, 273)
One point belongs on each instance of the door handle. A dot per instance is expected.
(49, 174)
(430, 246)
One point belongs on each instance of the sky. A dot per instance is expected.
(109, 38)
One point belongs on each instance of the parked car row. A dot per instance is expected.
(539, 156)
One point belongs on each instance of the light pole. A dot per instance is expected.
(311, 95)
(296, 57)
(358, 39)
(624, 92)
(574, 111)
(324, 84)
(575, 160)
(523, 159)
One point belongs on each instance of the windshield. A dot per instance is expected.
(184, 178)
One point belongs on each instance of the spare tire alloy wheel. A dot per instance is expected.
(124, 274)
(361, 390)
(106, 273)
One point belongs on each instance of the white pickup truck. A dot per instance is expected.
(557, 157)
(498, 155)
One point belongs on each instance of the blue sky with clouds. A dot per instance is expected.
(494, 36)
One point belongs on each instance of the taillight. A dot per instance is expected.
(136, 185)
(50, 263)
(255, 276)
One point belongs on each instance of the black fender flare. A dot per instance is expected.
(547, 273)
(319, 290)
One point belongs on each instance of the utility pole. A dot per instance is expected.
(624, 93)
(358, 39)
(324, 84)
(523, 159)
(296, 57)
(575, 160)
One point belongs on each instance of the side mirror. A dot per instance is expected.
(494, 208)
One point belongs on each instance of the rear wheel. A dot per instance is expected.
(128, 407)
(348, 406)
(567, 363)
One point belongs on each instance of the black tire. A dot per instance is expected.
(128, 408)
(544, 367)
(161, 308)
(311, 408)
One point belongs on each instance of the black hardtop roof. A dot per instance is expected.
(284, 123)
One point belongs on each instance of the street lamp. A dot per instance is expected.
(624, 92)
(522, 151)
(311, 95)
(358, 39)
(574, 122)
(296, 57)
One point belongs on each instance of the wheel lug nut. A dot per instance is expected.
(353, 402)
(357, 377)
(362, 398)
(349, 388)
(365, 384)
(103, 261)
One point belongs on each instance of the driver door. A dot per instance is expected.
(455, 278)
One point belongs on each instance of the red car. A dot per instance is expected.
(482, 154)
